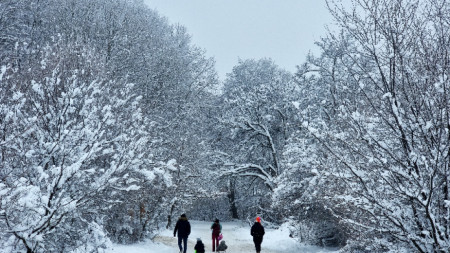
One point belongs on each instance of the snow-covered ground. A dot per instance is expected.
(236, 235)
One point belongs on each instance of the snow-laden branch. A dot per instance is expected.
(251, 170)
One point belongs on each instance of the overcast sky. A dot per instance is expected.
(284, 30)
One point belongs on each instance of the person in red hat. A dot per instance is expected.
(257, 232)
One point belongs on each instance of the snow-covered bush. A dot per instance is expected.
(62, 143)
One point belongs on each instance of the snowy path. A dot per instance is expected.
(236, 235)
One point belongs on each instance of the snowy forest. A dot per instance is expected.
(112, 124)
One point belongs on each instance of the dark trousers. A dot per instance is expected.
(257, 240)
(184, 239)
(215, 241)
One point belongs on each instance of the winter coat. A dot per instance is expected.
(183, 227)
(257, 230)
(199, 247)
(217, 229)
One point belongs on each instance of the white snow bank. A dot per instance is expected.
(144, 247)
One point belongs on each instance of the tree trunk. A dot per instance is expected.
(232, 200)
(169, 217)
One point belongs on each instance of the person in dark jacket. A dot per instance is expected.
(216, 230)
(199, 247)
(257, 232)
(184, 230)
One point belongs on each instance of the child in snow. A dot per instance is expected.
(222, 246)
(199, 247)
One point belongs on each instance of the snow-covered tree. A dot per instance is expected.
(118, 42)
(64, 139)
(255, 124)
(300, 193)
(384, 131)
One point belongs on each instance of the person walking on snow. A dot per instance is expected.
(257, 232)
(216, 230)
(184, 230)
